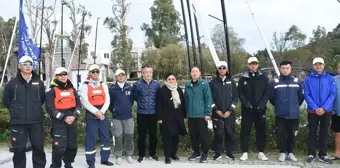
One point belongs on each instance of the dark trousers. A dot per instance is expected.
(19, 140)
(247, 121)
(199, 134)
(64, 145)
(224, 127)
(170, 143)
(93, 128)
(286, 131)
(147, 123)
(313, 124)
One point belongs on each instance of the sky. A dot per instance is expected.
(271, 15)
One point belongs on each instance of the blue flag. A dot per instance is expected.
(25, 44)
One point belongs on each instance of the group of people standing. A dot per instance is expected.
(168, 106)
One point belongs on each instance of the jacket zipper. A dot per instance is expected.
(319, 91)
(15, 92)
(25, 104)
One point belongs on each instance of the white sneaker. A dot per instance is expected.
(262, 156)
(118, 160)
(244, 156)
(130, 159)
(282, 157)
(292, 157)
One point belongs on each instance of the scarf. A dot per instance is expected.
(175, 96)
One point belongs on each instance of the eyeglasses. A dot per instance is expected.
(27, 64)
(222, 68)
(95, 71)
(62, 74)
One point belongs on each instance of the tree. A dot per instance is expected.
(172, 59)
(121, 44)
(165, 24)
(151, 56)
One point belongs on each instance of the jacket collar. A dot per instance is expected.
(189, 84)
(246, 73)
(315, 74)
(116, 85)
(282, 77)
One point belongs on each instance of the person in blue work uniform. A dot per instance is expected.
(94, 96)
(286, 95)
(320, 93)
(122, 121)
(144, 92)
(63, 106)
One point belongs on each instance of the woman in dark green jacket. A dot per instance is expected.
(198, 106)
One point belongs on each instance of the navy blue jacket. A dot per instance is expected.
(145, 96)
(121, 101)
(286, 95)
(320, 91)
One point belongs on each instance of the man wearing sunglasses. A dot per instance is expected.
(253, 92)
(224, 97)
(23, 96)
(94, 96)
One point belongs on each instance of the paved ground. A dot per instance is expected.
(6, 162)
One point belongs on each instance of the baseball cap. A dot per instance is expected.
(252, 59)
(119, 71)
(25, 59)
(93, 67)
(59, 70)
(222, 63)
(318, 60)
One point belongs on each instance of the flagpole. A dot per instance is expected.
(9, 51)
(41, 28)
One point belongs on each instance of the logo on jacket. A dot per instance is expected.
(245, 83)
(56, 143)
(127, 93)
(14, 139)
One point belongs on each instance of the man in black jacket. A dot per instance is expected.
(224, 95)
(253, 91)
(23, 96)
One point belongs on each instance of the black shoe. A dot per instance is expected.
(154, 157)
(194, 156)
(310, 159)
(230, 157)
(107, 163)
(68, 165)
(140, 159)
(217, 156)
(167, 160)
(92, 166)
(204, 158)
(175, 158)
(325, 159)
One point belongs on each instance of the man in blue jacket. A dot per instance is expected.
(122, 121)
(320, 92)
(286, 95)
(144, 93)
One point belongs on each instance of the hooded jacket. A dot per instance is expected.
(286, 95)
(224, 95)
(320, 91)
(91, 110)
(253, 90)
(121, 101)
(58, 117)
(24, 99)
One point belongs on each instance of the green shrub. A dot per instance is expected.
(185, 145)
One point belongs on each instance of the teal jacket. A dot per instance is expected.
(198, 99)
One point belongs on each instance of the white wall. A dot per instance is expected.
(83, 75)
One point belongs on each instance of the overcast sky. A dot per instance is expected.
(272, 15)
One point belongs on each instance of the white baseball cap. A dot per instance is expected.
(222, 63)
(119, 71)
(318, 60)
(93, 67)
(60, 70)
(252, 59)
(25, 59)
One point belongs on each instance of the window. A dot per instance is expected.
(106, 55)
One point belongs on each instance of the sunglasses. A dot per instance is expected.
(27, 64)
(95, 71)
(62, 74)
(222, 68)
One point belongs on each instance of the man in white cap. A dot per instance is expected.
(94, 96)
(23, 96)
(122, 121)
(224, 97)
(253, 92)
(320, 93)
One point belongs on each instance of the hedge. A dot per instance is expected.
(301, 143)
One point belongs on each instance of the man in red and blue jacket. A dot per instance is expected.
(320, 93)
(286, 95)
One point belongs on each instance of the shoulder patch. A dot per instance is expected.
(296, 79)
(276, 80)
